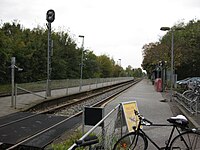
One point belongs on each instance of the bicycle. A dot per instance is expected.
(192, 98)
(187, 139)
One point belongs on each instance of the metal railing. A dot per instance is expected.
(62, 87)
(114, 127)
(69, 83)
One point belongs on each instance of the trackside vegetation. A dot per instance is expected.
(29, 47)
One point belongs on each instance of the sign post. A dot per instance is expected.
(13, 61)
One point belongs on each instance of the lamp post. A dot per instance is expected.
(119, 67)
(81, 65)
(172, 57)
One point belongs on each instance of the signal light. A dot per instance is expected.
(50, 16)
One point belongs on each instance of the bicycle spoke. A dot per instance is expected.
(195, 141)
(130, 142)
(186, 141)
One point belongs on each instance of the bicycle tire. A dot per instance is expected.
(187, 140)
(126, 143)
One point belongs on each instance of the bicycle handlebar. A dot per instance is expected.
(146, 120)
(142, 119)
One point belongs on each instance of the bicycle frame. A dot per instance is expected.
(145, 122)
(138, 139)
(169, 139)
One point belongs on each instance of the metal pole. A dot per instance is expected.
(81, 70)
(103, 131)
(15, 96)
(121, 119)
(83, 121)
(48, 90)
(67, 90)
(172, 66)
(163, 76)
(81, 77)
(12, 80)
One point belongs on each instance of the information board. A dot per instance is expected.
(129, 114)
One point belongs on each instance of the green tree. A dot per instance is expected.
(186, 50)
(129, 71)
(91, 68)
(105, 66)
(30, 49)
(138, 72)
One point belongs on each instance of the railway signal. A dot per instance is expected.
(50, 17)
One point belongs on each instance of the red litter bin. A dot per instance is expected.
(158, 85)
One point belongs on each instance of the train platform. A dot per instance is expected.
(24, 101)
(154, 105)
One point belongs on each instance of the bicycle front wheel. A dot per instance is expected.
(187, 140)
(131, 141)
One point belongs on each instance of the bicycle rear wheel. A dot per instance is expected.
(187, 140)
(131, 141)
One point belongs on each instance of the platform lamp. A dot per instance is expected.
(50, 17)
(81, 65)
(172, 57)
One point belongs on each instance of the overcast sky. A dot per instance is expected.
(118, 28)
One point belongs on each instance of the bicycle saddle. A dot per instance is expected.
(179, 120)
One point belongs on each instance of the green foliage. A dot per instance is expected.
(4, 89)
(186, 50)
(137, 72)
(91, 67)
(30, 49)
(105, 66)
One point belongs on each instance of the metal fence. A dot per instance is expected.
(62, 87)
(190, 102)
(114, 127)
(69, 83)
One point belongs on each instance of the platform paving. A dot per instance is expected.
(154, 106)
(157, 104)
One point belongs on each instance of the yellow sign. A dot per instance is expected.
(130, 117)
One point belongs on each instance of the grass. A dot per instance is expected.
(5, 89)
(76, 135)
(69, 142)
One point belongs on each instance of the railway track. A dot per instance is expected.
(38, 126)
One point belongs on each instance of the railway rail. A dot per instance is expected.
(38, 126)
